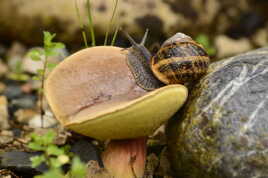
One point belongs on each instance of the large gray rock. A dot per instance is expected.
(222, 132)
(20, 163)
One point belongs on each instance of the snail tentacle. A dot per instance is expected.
(138, 60)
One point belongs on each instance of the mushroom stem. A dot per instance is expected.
(125, 158)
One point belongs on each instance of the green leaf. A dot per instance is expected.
(50, 47)
(49, 51)
(40, 72)
(34, 136)
(18, 76)
(36, 146)
(36, 78)
(36, 139)
(48, 37)
(49, 137)
(40, 90)
(51, 173)
(18, 67)
(66, 149)
(78, 169)
(59, 45)
(37, 160)
(54, 150)
(55, 163)
(211, 51)
(63, 159)
(203, 39)
(35, 55)
(51, 66)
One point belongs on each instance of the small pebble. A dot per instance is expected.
(27, 101)
(25, 115)
(14, 55)
(20, 163)
(260, 38)
(4, 113)
(27, 88)
(6, 137)
(227, 46)
(12, 91)
(2, 87)
(3, 68)
(2, 50)
(48, 121)
(86, 151)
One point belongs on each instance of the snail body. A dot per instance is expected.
(180, 60)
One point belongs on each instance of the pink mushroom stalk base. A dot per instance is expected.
(125, 158)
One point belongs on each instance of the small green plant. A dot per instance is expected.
(50, 49)
(91, 28)
(82, 26)
(204, 40)
(110, 25)
(55, 157)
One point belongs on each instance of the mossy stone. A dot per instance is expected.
(222, 131)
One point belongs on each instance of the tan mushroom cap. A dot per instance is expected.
(93, 93)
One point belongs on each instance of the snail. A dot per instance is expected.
(180, 60)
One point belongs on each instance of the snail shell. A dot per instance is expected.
(179, 60)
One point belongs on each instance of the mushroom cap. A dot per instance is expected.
(94, 93)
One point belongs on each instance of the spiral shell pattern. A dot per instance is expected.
(180, 60)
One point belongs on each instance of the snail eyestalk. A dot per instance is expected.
(144, 37)
(130, 39)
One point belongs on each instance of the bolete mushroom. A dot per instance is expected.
(93, 92)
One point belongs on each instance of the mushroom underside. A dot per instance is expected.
(126, 117)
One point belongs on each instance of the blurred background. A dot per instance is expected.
(226, 27)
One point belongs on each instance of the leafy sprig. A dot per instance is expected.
(50, 49)
(55, 157)
(205, 41)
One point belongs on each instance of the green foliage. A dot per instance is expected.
(52, 173)
(55, 157)
(91, 28)
(204, 40)
(78, 169)
(50, 49)
(90, 24)
(110, 24)
(82, 26)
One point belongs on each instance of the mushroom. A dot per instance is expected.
(93, 92)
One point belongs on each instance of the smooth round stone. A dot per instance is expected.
(222, 132)
(12, 91)
(26, 102)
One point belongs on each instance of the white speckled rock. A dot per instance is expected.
(223, 129)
